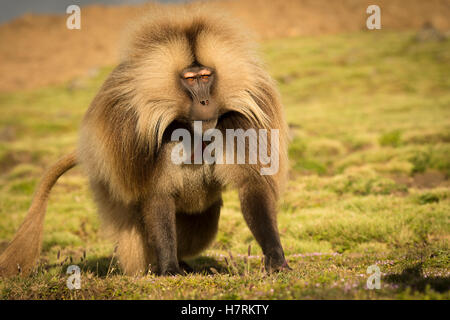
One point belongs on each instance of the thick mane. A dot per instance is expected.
(142, 96)
(164, 42)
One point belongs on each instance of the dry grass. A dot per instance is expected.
(38, 50)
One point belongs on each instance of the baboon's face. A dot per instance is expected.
(198, 82)
(192, 73)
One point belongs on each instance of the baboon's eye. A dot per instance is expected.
(205, 77)
(189, 77)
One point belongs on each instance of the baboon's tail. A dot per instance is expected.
(23, 251)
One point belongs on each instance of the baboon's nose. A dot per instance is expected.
(204, 102)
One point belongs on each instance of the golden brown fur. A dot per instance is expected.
(159, 212)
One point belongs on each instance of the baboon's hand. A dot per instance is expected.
(277, 267)
(274, 261)
(185, 267)
(171, 271)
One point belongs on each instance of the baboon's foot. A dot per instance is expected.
(185, 267)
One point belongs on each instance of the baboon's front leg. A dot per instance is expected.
(258, 206)
(159, 219)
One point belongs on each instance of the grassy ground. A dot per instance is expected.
(370, 119)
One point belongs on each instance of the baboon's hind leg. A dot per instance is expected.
(196, 231)
(121, 223)
(134, 255)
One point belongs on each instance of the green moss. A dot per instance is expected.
(392, 138)
(23, 187)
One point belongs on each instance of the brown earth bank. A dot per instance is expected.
(38, 50)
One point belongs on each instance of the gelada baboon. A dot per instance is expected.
(178, 67)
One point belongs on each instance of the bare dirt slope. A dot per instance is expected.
(38, 50)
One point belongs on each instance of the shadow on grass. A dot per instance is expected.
(206, 265)
(106, 266)
(102, 266)
(414, 278)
